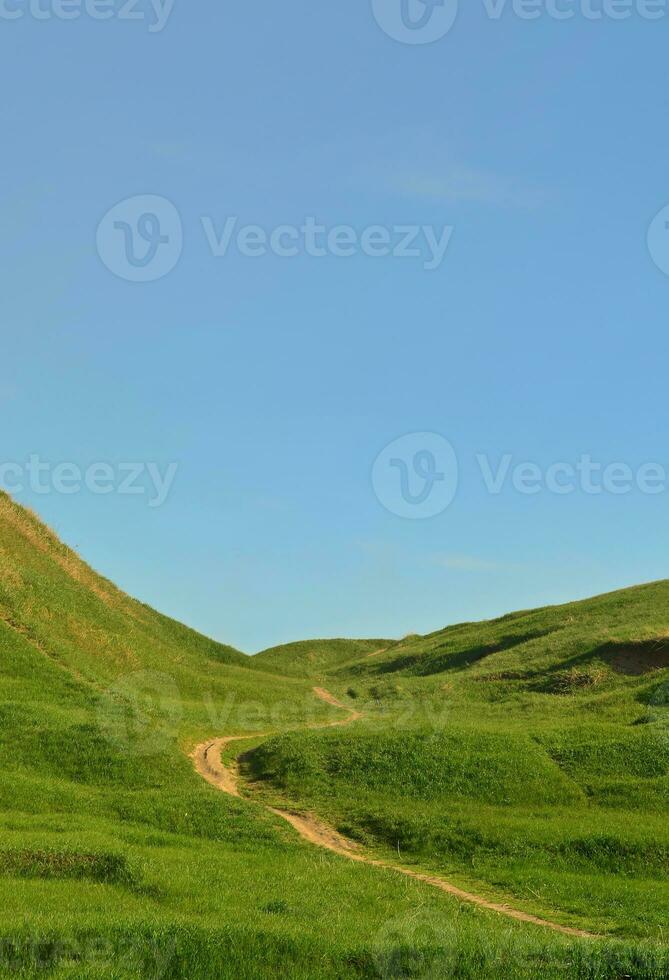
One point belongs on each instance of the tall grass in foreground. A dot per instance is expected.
(407, 949)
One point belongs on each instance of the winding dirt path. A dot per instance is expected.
(207, 756)
(207, 760)
(324, 695)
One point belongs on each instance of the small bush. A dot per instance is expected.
(107, 868)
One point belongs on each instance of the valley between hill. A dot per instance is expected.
(523, 760)
(208, 763)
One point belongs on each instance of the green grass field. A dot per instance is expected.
(526, 760)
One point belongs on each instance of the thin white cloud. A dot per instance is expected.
(460, 184)
(469, 563)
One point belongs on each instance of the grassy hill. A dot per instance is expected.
(530, 753)
(316, 658)
(527, 757)
(581, 644)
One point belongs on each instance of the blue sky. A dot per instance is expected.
(273, 382)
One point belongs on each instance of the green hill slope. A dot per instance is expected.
(316, 657)
(530, 752)
(117, 860)
(623, 634)
(79, 620)
(109, 841)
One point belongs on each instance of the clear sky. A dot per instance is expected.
(275, 381)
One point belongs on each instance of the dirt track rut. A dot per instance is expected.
(207, 759)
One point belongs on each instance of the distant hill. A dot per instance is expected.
(312, 657)
(587, 647)
(529, 752)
